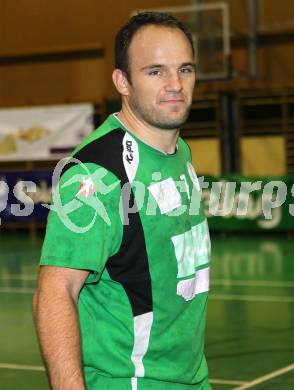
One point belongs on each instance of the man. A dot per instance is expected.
(122, 293)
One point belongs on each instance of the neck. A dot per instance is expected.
(163, 140)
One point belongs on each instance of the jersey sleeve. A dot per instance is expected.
(84, 226)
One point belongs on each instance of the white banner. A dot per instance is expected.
(42, 132)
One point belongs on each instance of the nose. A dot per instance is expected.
(174, 83)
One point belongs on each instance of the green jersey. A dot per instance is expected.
(131, 215)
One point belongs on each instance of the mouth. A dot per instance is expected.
(172, 101)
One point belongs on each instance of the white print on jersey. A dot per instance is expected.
(192, 249)
(134, 383)
(183, 177)
(193, 176)
(191, 287)
(166, 195)
(87, 187)
(130, 156)
(142, 330)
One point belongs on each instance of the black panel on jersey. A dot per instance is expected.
(130, 265)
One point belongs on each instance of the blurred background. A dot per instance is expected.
(56, 60)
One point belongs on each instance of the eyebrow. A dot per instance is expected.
(152, 66)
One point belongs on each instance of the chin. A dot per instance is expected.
(176, 122)
(171, 125)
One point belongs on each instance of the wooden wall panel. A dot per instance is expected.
(206, 156)
(29, 26)
(271, 156)
(276, 15)
(53, 82)
(241, 66)
(238, 16)
(280, 65)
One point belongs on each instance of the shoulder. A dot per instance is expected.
(103, 149)
(97, 161)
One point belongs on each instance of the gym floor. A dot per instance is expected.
(250, 324)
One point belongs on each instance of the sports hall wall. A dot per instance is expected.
(36, 26)
(62, 52)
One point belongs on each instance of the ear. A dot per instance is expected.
(120, 81)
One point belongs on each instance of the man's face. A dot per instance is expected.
(162, 76)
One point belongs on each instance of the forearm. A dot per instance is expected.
(57, 324)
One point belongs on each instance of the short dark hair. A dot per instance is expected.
(126, 33)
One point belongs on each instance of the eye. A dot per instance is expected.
(155, 72)
(186, 69)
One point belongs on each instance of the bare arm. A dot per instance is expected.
(57, 323)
